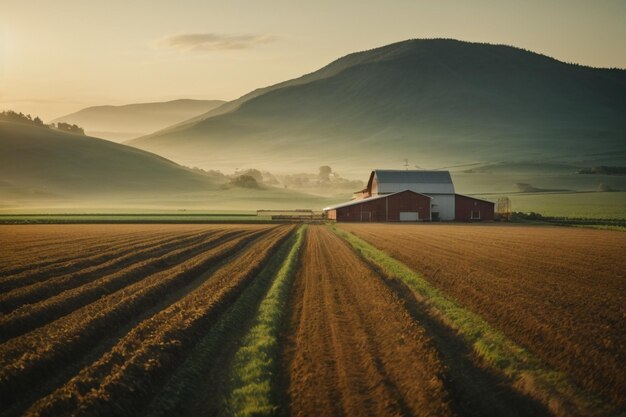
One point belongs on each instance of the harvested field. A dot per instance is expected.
(557, 291)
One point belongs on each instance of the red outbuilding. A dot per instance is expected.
(402, 206)
(472, 209)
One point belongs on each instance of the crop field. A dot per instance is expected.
(318, 320)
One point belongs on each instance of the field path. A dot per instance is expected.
(353, 348)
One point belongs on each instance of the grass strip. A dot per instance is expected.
(527, 372)
(180, 390)
(255, 368)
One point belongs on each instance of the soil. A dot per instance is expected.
(353, 349)
(557, 291)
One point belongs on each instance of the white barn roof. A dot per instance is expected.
(428, 182)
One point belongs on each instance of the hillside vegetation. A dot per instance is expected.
(42, 161)
(435, 102)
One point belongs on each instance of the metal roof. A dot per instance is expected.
(364, 200)
(425, 182)
(412, 176)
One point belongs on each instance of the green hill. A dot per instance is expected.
(42, 161)
(436, 102)
(46, 169)
(119, 123)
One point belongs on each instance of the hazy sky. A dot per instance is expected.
(57, 56)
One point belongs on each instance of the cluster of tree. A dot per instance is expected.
(245, 181)
(15, 117)
(263, 177)
(326, 178)
(66, 127)
(11, 116)
(603, 170)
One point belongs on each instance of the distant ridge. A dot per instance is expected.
(120, 123)
(436, 100)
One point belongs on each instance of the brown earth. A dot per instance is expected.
(353, 349)
(106, 309)
(123, 380)
(560, 292)
(38, 248)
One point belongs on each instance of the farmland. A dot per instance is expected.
(267, 319)
(557, 292)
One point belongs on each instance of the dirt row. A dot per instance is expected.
(557, 291)
(30, 316)
(89, 259)
(352, 348)
(125, 378)
(109, 262)
(34, 358)
(37, 247)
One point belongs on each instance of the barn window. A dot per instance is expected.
(475, 215)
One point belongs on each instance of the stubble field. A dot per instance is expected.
(288, 320)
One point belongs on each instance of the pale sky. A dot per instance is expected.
(58, 56)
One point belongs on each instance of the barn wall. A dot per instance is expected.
(365, 211)
(410, 202)
(465, 205)
(331, 214)
(385, 209)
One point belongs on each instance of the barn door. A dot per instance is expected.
(366, 216)
(409, 216)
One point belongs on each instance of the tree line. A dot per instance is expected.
(15, 117)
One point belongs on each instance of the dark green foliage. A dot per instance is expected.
(11, 116)
(603, 170)
(245, 181)
(66, 127)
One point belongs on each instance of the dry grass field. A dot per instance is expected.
(264, 319)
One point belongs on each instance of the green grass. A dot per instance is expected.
(583, 205)
(132, 218)
(601, 227)
(180, 390)
(525, 370)
(256, 362)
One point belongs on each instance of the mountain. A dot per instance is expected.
(436, 102)
(120, 123)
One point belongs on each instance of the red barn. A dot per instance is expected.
(472, 209)
(410, 195)
(396, 207)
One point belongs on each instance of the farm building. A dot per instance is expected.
(411, 195)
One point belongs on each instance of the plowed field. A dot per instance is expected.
(355, 350)
(89, 328)
(195, 320)
(560, 292)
